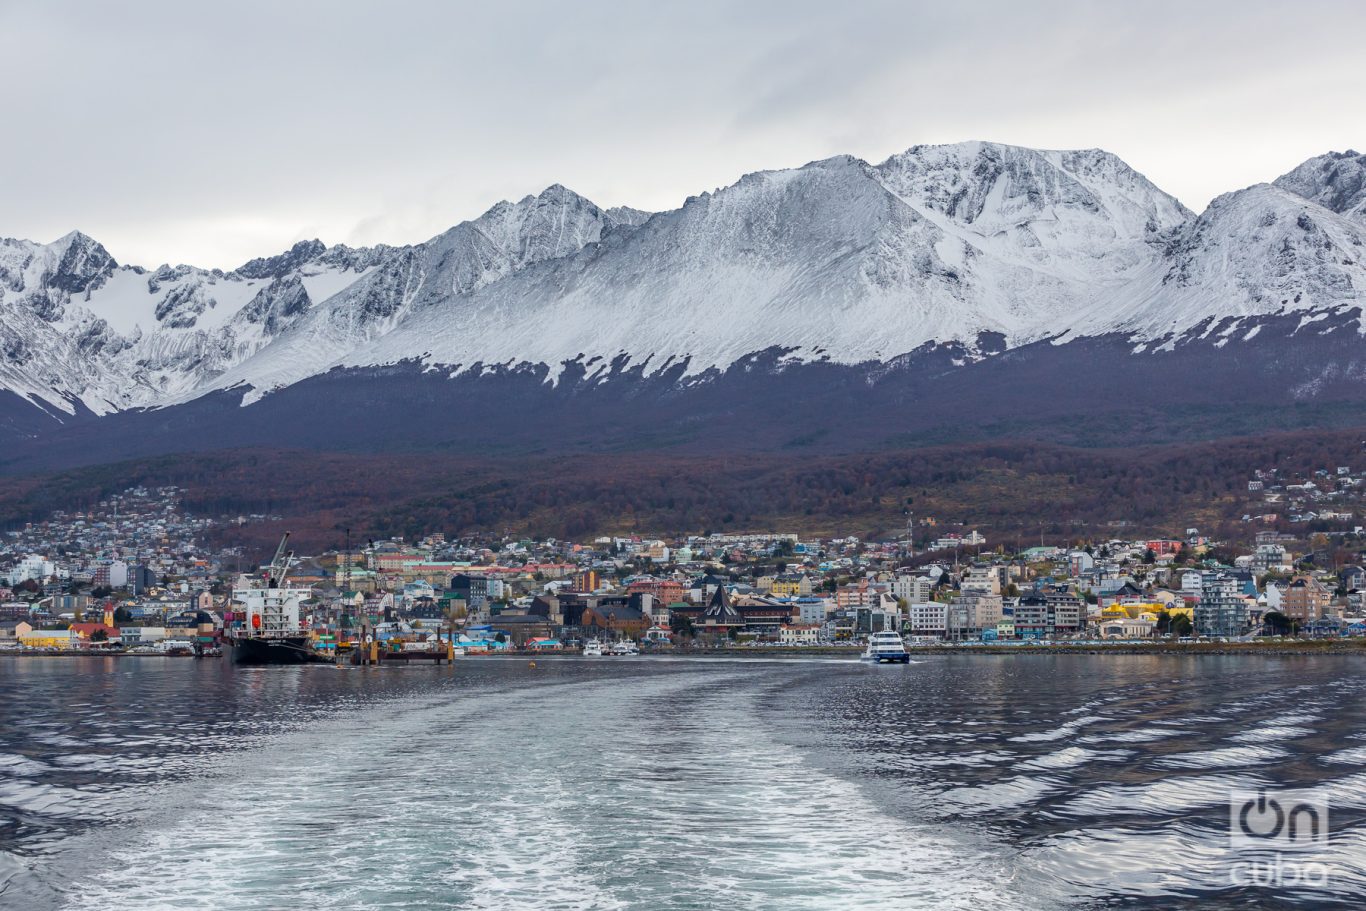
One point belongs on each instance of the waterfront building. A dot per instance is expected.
(1305, 599)
(798, 634)
(1221, 610)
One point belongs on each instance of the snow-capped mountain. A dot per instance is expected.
(1336, 181)
(506, 239)
(1254, 253)
(837, 260)
(79, 327)
(975, 247)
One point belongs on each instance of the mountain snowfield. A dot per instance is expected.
(979, 244)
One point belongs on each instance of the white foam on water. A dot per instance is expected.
(1072, 757)
(1353, 755)
(1069, 729)
(1225, 757)
(1166, 797)
(652, 792)
(1182, 860)
(1272, 732)
(1138, 735)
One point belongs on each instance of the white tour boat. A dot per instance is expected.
(886, 647)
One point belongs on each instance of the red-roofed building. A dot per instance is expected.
(87, 632)
(1164, 547)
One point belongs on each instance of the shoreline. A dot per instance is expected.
(1348, 648)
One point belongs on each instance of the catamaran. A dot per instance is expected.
(886, 647)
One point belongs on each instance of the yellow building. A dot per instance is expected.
(50, 638)
(1140, 611)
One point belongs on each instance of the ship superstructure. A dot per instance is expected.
(272, 630)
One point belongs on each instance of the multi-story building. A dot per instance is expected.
(852, 596)
(1305, 599)
(1221, 610)
(812, 610)
(798, 634)
(1079, 562)
(973, 613)
(666, 591)
(983, 579)
(69, 604)
(912, 589)
(1164, 546)
(790, 585)
(1269, 557)
(32, 567)
(472, 589)
(1032, 620)
(587, 581)
(1068, 613)
(929, 619)
(1048, 616)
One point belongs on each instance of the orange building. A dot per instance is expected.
(1305, 599)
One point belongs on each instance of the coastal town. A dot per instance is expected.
(131, 575)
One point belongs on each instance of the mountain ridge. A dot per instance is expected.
(837, 261)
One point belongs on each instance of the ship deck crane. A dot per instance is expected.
(279, 565)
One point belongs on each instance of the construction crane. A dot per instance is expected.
(279, 565)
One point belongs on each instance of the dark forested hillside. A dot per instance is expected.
(1010, 489)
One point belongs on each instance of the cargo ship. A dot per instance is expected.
(271, 631)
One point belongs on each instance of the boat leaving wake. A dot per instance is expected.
(672, 784)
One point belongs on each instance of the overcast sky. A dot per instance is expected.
(212, 133)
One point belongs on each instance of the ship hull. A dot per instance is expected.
(289, 650)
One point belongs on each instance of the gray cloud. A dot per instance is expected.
(212, 133)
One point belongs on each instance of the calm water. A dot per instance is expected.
(1026, 782)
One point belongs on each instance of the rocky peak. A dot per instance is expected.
(290, 260)
(1336, 181)
(82, 264)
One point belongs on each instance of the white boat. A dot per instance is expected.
(886, 647)
(625, 648)
(592, 649)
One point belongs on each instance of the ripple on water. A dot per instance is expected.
(1138, 735)
(1158, 799)
(1226, 757)
(965, 783)
(560, 810)
(1071, 757)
